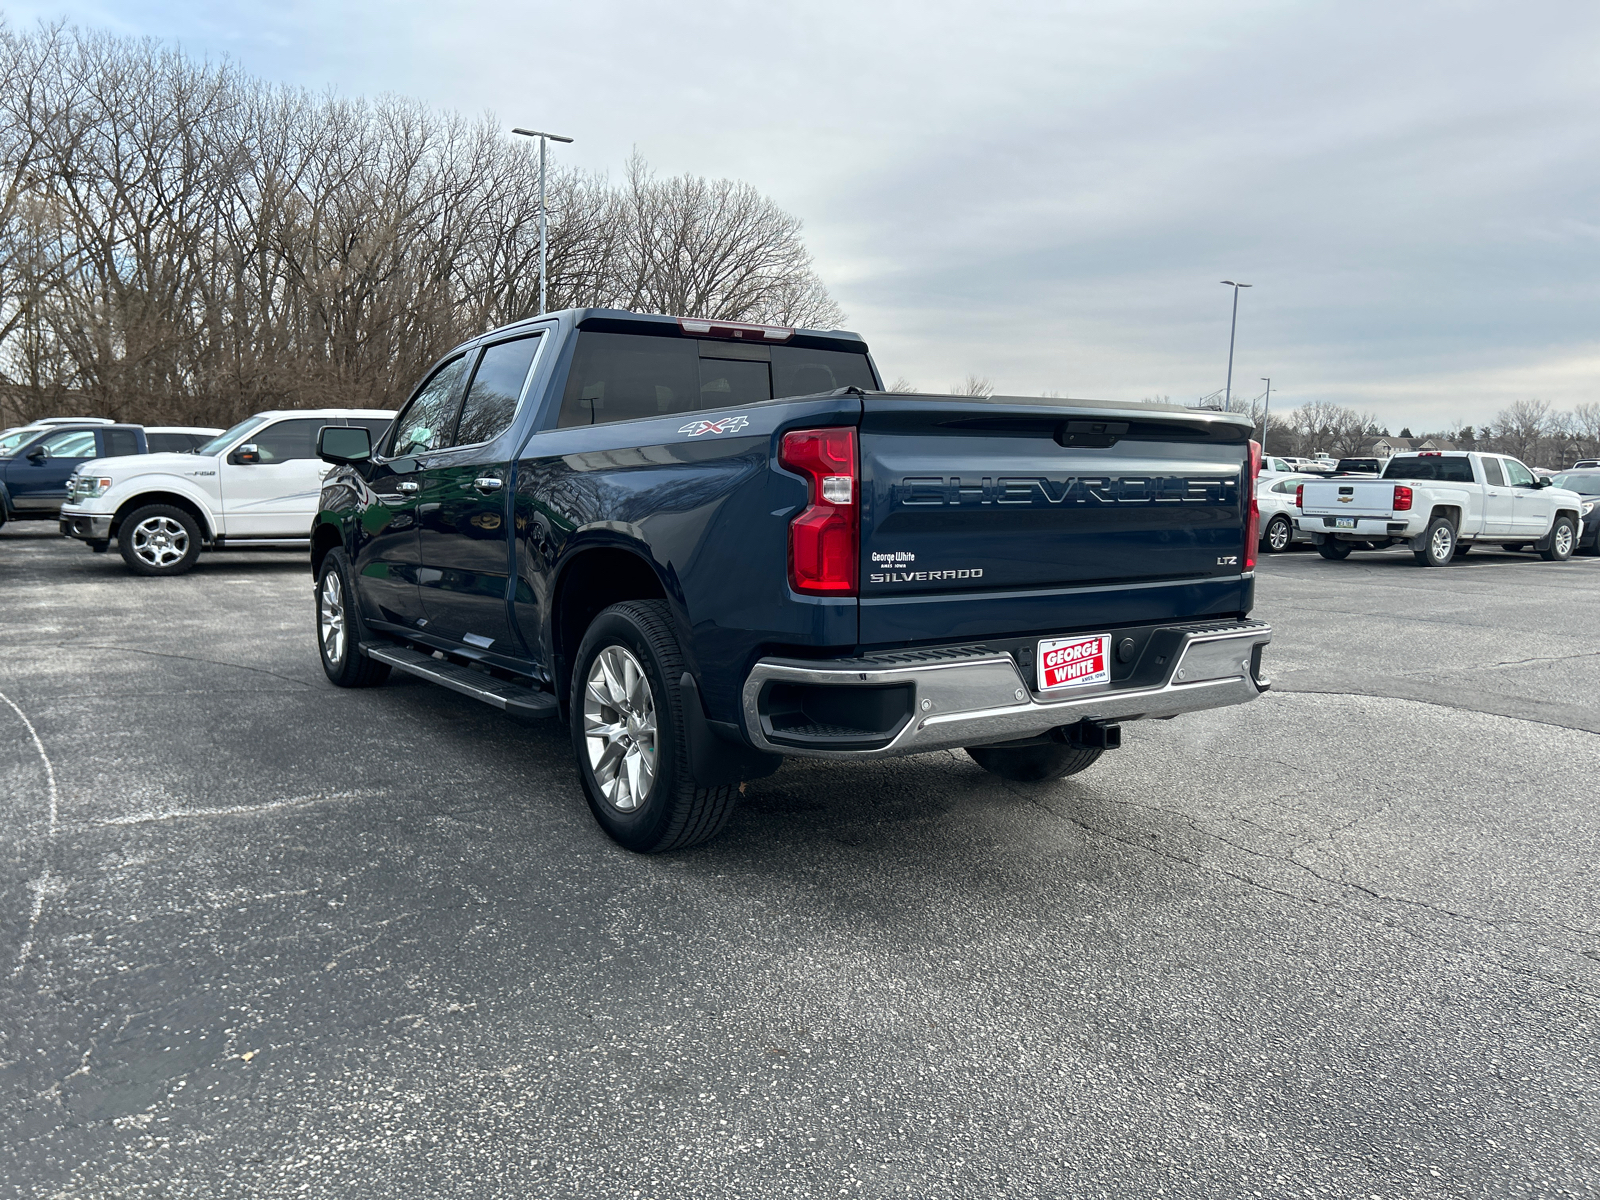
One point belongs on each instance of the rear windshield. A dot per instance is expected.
(1444, 470)
(1359, 464)
(626, 376)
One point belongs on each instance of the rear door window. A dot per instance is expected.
(495, 391)
(120, 443)
(1492, 472)
(375, 426)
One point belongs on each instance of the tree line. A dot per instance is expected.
(183, 243)
(1533, 431)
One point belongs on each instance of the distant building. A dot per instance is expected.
(1388, 447)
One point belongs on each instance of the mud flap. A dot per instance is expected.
(715, 760)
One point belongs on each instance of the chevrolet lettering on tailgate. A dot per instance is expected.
(1040, 490)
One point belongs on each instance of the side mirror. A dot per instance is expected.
(246, 454)
(37, 455)
(342, 445)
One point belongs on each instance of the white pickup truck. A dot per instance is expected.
(257, 485)
(1441, 504)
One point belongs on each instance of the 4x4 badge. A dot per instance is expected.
(726, 425)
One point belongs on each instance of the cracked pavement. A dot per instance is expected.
(262, 937)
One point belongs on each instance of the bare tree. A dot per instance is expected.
(180, 241)
(973, 385)
(1522, 429)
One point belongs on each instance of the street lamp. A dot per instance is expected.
(1266, 411)
(1227, 403)
(556, 137)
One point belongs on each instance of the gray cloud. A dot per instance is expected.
(1047, 194)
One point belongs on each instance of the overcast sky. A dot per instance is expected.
(1048, 194)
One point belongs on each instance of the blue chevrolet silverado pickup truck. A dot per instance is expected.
(706, 546)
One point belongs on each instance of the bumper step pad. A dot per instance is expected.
(497, 693)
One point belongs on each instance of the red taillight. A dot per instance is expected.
(824, 540)
(1300, 496)
(1252, 524)
(1402, 498)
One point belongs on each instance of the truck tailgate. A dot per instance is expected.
(1349, 498)
(1016, 514)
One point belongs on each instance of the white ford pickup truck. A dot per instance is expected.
(257, 485)
(1441, 504)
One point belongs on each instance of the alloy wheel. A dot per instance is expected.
(619, 728)
(160, 541)
(1563, 540)
(1444, 544)
(330, 614)
(1278, 536)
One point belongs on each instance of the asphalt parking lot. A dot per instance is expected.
(262, 937)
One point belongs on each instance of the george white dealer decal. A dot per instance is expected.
(726, 425)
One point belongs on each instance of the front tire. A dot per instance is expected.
(1438, 544)
(339, 628)
(629, 737)
(1034, 764)
(1278, 534)
(1334, 551)
(159, 539)
(1562, 540)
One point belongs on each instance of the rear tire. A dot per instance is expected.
(1438, 544)
(1513, 546)
(1462, 548)
(629, 737)
(1334, 551)
(1278, 535)
(339, 628)
(1562, 540)
(159, 539)
(1034, 764)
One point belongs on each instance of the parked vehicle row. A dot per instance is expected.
(255, 485)
(37, 461)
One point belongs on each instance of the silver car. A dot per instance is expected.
(1280, 526)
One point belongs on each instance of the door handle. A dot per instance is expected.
(409, 489)
(488, 483)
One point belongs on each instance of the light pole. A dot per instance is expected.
(556, 137)
(1266, 412)
(1227, 403)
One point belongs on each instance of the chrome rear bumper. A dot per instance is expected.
(971, 696)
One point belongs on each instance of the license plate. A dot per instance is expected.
(1344, 522)
(1074, 662)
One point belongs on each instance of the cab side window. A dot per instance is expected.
(1519, 475)
(1492, 472)
(426, 423)
(285, 440)
(496, 388)
(120, 443)
(74, 443)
